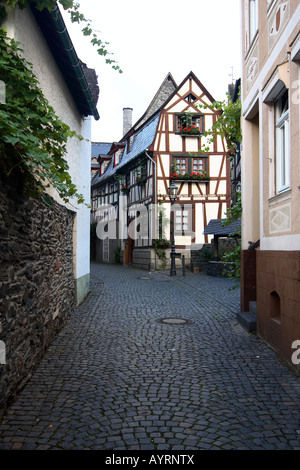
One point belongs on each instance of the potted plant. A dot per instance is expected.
(125, 190)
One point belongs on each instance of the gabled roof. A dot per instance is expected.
(201, 86)
(144, 130)
(217, 227)
(100, 148)
(143, 139)
(81, 81)
(167, 87)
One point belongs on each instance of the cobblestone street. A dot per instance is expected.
(119, 378)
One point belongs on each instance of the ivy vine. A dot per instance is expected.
(76, 16)
(33, 140)
(228, 124)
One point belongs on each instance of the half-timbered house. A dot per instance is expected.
(130, 191)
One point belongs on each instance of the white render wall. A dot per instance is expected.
(22, 26)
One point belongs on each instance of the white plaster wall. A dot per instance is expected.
(212, 211)
(199, 224)
(215, 165)
(22, 26)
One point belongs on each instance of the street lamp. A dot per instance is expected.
(172, 192)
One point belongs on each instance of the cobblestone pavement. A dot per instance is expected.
(118, 379)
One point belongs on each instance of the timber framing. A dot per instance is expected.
(168, 152)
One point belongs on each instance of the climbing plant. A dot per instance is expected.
(33, 140)
(233, 256)
(228, 126)
(76, 16)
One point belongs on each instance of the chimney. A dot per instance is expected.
(127, 120)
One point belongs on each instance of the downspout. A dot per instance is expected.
(69, 48)
(155, 199)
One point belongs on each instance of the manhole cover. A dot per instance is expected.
(174, 321)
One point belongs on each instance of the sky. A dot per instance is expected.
(150, 39)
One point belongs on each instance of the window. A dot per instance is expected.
(188, 120)
(191, 98)
(253, 19)
(181, 165)
(111, 194)
(116, 187)
(117, 156)
(187, 165)
(129, 143)
(141, 173)
(282, 155)
(198, 164)
(183, 220)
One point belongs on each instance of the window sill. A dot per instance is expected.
(280, 197)
(184, 180)
(186, 134)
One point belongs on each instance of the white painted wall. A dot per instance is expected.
(22, 26)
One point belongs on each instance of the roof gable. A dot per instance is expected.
(183, 85)
(167, 88)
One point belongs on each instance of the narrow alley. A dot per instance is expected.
(155, 362)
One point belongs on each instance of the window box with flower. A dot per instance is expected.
(125, 190)
(189, 124)
(192, 130)
(190, 177)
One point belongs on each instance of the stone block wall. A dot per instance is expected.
(37, 288)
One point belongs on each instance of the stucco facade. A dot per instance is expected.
(271, 168)
(24, 27)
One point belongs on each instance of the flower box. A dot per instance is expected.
(190, 177)
(125, 190)
(192, 130)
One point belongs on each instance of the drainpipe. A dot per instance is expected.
(69, 48)
(155, 199)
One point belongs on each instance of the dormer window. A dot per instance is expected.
(117, 156)
(129, 143)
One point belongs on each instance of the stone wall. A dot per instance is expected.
(199, 258)
(36, 283)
